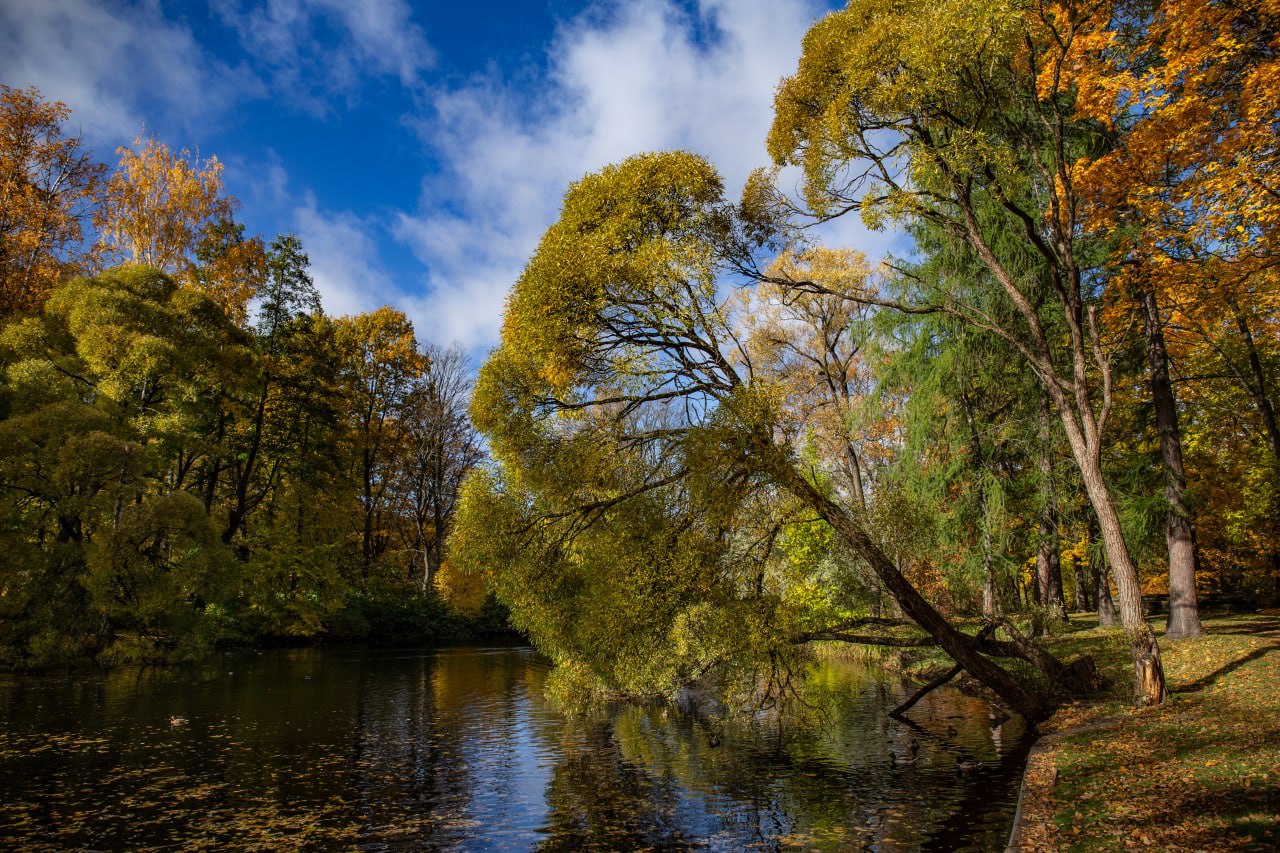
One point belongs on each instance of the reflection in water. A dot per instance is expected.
(458, 749)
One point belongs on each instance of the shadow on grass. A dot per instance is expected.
(1252, 813)
(1249, 625)
(1226, 669)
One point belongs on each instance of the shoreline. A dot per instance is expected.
(1195, 773)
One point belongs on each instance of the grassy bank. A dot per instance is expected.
(1201, 772)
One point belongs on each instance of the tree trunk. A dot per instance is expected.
(1179, 528)
(1107, 617)
(913, 605)
(240, 509)
(1148, 671)
(1048, 554)
(1082, 585)
(1257, 385)
(990, 600)
(978, 465)
(1258, 390)
(1085, 438)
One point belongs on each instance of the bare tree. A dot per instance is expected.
(442, 446)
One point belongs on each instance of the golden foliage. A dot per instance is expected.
(47, 184)
(162, 208)
(627, 233)
(464, 592)
(1189, 188)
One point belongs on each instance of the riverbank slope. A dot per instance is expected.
(1201, 772)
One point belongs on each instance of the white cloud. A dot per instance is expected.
(344, 259)
(116, 65)
(316, 48)
(634, 80)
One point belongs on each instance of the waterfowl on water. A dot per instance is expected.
(898, 758)
(177, 721)
(964, 763)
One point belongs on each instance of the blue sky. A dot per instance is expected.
(419, 149)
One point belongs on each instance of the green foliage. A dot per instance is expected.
(173, 481)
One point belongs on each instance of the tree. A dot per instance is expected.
(970, 418)
(231, 267)
(1187, 90)
(266, 421)
(441, 447)
(167, 210)
(621, 398)
(812, 344)
(47, 186)
(288, 291)
(950, 114)
(102, 388)
(380, 362)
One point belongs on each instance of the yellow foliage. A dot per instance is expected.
(161, 207)
(158, 203)
(464, 592)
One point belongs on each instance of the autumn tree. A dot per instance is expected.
(187, 437)
(981, 145)
(167, 210)
(101, 389)
(48, 186)
(1187, 89)
(812, 344)
(380, 362)
(617, 387)
(265, 420)
(440, 448)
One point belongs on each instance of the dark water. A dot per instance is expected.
(457, 749)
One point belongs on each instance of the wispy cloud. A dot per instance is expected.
(345, 263)
(118, 65)
(643, 77)
(314, 49)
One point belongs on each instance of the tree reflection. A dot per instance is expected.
(459, 749)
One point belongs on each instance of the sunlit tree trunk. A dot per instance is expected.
(912, 603)
(1179, 528)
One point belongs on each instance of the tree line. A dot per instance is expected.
(718, 440)
(193, 452)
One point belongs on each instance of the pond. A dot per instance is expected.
(458, 749)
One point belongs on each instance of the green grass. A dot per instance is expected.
(1197, 773)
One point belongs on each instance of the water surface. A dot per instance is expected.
(458, 749)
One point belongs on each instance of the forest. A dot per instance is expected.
(707, 440)
(194, 453)
(718, 441)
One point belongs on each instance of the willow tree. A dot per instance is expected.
(622, 386)
(101, 394)
(955, 114)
